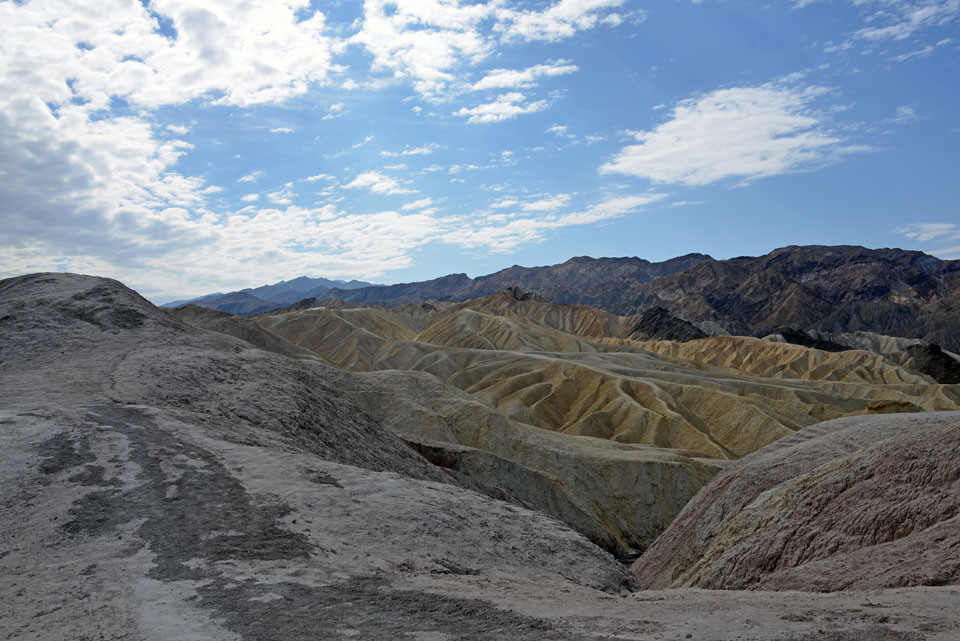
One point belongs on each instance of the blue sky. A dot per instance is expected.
(188, 147)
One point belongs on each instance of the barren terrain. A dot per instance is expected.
(163, 480)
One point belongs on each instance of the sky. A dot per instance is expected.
(186, 147)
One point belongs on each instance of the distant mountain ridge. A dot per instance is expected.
(258, 300)
(581, 281)
(821, 290)
(815, 288)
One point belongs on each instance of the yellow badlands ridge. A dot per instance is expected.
(484, 375)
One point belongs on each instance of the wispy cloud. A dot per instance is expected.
(503, 234)
(505, 107)
(926, 232)
(335, 111)
(558, 21)
(252, 177)
(378, 183)
(939, 239)
(283, 196)
(423, 203)
(422, 150)
(522, 78)
(900, 19)
(903, 115)
(550, 203)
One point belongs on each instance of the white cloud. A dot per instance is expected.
(334, 111)
(926, 232)
(558, 21)
(212, 189)
(904, 114)
(429, 43)
(900, 19)
(505, 235)
(743, 133)
(250, 198)
(923, 51)
(283, 196)
(316, 177)
(282, 130)
(549, 203)
(217, 50)
(422, 150)
(423, 203)
(505, 107)
(424, 41)
(895, 21)
(378, 183)
(252, 177)
(180, 130)
(515, 78)
(939, 238)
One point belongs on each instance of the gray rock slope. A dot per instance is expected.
(854, 503)
(164, 481)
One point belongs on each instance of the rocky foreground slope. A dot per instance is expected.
(148, 461)
(191, 475)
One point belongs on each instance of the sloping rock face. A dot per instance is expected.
(854, 503)
(619, 495)
(166, 481)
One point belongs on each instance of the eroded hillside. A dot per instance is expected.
(514, 376)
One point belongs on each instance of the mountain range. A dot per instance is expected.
(816, 290)
(258, 300)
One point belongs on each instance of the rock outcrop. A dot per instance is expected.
(855, 503)
(659, 324)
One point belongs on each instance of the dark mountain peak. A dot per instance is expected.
(798, 337)
(693, 257)
(657, 323)
(520, 294)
